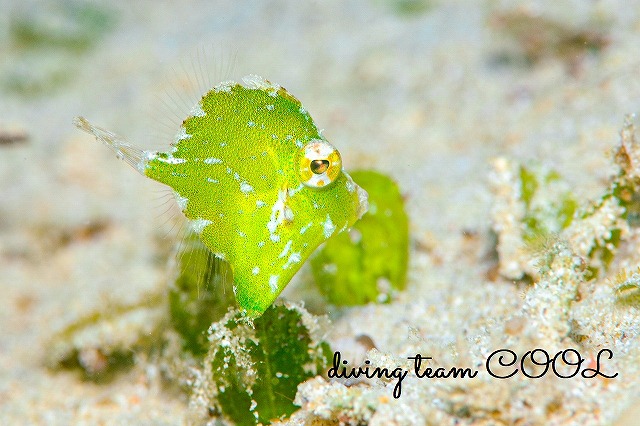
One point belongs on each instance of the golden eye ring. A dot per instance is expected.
(320, 164)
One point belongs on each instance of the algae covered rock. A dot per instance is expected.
(252, 371)
(370, 261)
(531, 204)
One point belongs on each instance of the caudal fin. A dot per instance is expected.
(134, 156)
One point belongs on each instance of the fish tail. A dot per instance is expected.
(134, 156)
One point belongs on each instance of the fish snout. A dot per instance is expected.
(363, 201)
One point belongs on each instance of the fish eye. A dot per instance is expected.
(320, 164)
(318, 167)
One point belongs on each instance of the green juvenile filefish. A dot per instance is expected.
(259, 183)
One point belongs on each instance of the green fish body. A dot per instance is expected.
(259, 183)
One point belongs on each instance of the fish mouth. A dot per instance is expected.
(363, 201)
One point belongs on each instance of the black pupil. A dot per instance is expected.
(319, 166)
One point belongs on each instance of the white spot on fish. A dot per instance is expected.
(149, 156)
(304, 228)
(182, 201)
(274, 237)
(270, 107)
(197, 111)
(242, 234)
(286, 249)
(294, 191)
(299, 143)
(363, 201)
(225, 86)
(212, 160)
(253, 81)
(293, 258)
(251, 124)
(255, 270)
(260, 203)
(288, 214)
(328, 227)
(273, 283)
(246, 188)
(261, 244)
(223, 144)
(199, 224)
(212, 180)
(171, 160)
(277, 213)
(351, 186)
(182, 135)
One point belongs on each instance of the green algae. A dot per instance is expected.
(545, 215)
(252, 371)
(368, 263)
